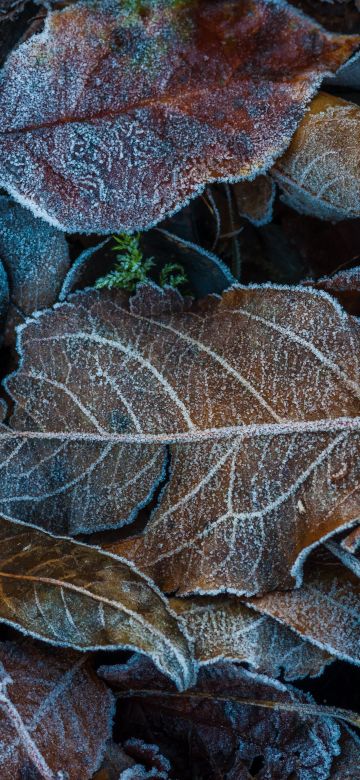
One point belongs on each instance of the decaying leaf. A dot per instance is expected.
(49, 704)
(117, 114)
(324, 610)
(93, 262)
(224, 628)
(135, 760)
(36, 258)
(254, 199)
(4, 298)
(344, 286)
(351, 541)
(348, 559)
(72, 594)
(261, 466)
(222, 738)
(205, 272)
(346, 766)
(319, 174)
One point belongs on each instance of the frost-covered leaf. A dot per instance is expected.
(348, 74)
(49, 704)
(134, 760)
(348, 559)
(4, 298)
(256, 395)
(224, 628)
(254, 199)
(345, 286)
(346, 766)
(205, 271)
(222, 738)
(93, 262)
(117, 114)
(325, 610)
(319, 174)
(36, 258)
(71, 594)
(351, 541)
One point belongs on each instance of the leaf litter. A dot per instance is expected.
(216, 441)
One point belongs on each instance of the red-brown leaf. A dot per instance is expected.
(50, 702)
(112, 118)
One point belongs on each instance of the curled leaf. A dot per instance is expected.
(71, 594)
(344, 286)
(220, 729)
(351, 541)
(153, 102)
(319, 174)
(46, 696)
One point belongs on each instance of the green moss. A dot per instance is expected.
(131, 267)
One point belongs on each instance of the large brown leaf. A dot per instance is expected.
(224, 628)
(49, 704)
(257, 395)
(222, 738)
(118, 113)
(325, 610)
(72, 594)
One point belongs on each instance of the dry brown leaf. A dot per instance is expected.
(116, 114)
(71, 594)
(325, 610)
(319, 174)
(217, 735)
(225, 629)
(49, 704)
(351, 542)
(344, 286)
(257, 397)
(254, 199)
(134, 760)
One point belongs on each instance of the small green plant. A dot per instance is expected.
(131, 267)
(172, 274)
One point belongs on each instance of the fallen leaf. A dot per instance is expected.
(346, 766)
(351, 541)
(254, 199)
(93, 262)
(225, 629)
(122, 762)
(50, 700)
(344, 286)
(205, 271)
(348, 74)
(219, 736)
(324, 610)
(261, 467)
(348, 559)
(121, 129)
(71, 594)
(319, 174)
(4, 298)
(36, 258)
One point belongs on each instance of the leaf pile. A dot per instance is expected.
(180, 390)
